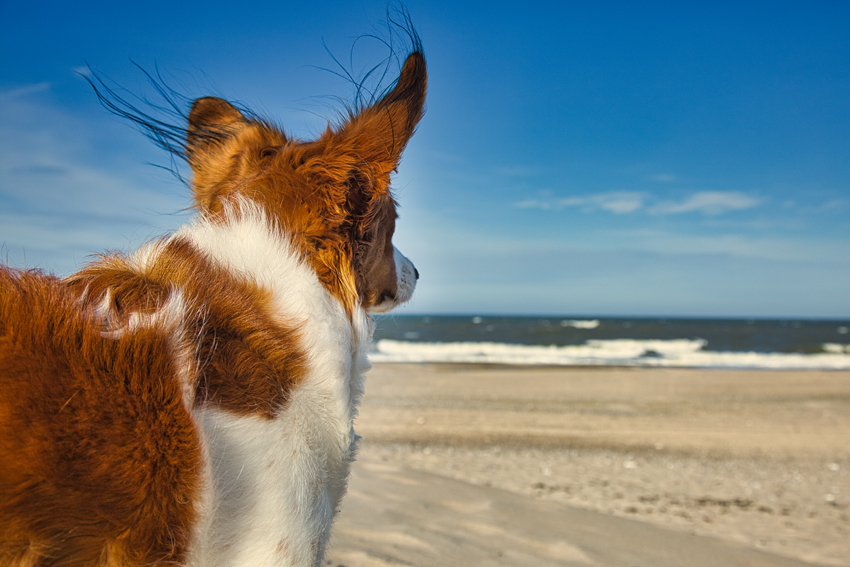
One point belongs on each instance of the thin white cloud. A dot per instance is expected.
(626, 202)
(10, 95)
(618, 202)
(776, 248)
(707, 202)
(57, 203)
(533, 204)
(836, 205)
(621, 203)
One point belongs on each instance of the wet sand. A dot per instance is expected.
(485, 465)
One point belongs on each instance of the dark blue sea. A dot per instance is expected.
(614, 341)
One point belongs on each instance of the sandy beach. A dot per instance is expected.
(492, 465)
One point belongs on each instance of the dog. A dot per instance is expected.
(192, 403)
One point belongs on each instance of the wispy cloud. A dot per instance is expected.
(773, 247)
(616, 202)
(625, 202)
(25, 91)
(707, 202)
(836, 205)
(57, 203)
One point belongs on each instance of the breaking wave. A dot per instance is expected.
(678, 353)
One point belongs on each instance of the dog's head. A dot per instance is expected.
(331, 196)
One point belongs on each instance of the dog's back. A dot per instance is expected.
(192, 403)
(99, 455)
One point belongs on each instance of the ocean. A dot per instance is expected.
(614, 341)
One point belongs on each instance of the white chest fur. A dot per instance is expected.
(274, 485)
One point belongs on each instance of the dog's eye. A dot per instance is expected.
(269, 152)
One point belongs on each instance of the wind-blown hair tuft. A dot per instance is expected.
(163, 119)
(398, 35)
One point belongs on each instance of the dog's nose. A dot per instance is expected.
(416, 273)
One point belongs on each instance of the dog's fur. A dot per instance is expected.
(192, 403)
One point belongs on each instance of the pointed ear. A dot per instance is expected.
(212, 123)
(379, 133)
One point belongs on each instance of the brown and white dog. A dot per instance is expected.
(192, 403)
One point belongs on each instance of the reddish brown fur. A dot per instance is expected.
(332, 194)
(100, 468)
(100, 460)
(248, 361)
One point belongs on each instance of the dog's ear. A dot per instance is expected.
(212, 121)
(213, 124)
(371, 142)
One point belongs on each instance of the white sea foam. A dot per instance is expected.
(580, 324)
(681, 353)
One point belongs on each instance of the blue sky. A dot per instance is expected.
(604, 158)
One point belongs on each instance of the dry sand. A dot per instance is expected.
(487, 465)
